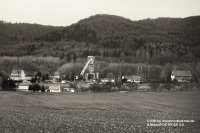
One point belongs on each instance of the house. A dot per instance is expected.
(17, 75)
(181, 76)
(132, 78)
(54, 89)
(24, 86)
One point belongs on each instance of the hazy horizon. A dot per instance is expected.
(67, 12)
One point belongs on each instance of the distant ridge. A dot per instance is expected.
(107, 35)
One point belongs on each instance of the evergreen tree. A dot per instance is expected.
(32, 48)
(39, 76)
(47, 76)
(154, 86)
(74, 58)
(62, 56)
(73, 76)
(169, 80)
(68, 57)
(8, 84)
(42, 88)
(2, 73)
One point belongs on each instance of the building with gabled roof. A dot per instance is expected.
(24, 86)
(132, 78)
(17, 75)
(181, 75)
(54, 89)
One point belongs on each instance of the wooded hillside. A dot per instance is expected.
(110, 38)
(22, 32)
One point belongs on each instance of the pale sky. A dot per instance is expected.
(66, 12)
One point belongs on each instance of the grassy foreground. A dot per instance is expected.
(97, 112)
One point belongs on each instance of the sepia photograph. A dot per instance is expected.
(99, 66)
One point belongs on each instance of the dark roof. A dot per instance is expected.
(182, 73)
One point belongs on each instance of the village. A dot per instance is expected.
(90, 80)
(100, 66)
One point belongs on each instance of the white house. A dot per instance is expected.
(17, 75)
(54, 89)
(24, 86)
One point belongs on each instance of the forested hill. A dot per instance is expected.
(12, 33)
(182, 30)
(155, 40)
(119, 34)
(176, 28)
(110, 26)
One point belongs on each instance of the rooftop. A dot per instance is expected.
(182, 73)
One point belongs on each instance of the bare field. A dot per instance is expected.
(97, 112)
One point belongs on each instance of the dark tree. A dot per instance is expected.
(87, 53)
(35, 87)
(167, 86)
(119, 84)
(32, 48)
(8, 85)
(67, 77)
(62, 56)
(43, 77)
(163, 80)
(176, 83)
(74, 58)
(12, 84)
(169, 79)
(39, 76)
(42, 88)
(2, 73)
(73, 76)
(42, 44)
(108, 86)
(124, 80)
(5, 84)
(151, 53)
(132, 86)
(33, 80)
(68, 57)
(154, 86)
(47, 76)
(195, 79)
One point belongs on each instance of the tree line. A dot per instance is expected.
(22, 32)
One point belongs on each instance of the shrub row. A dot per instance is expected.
(179, 87)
